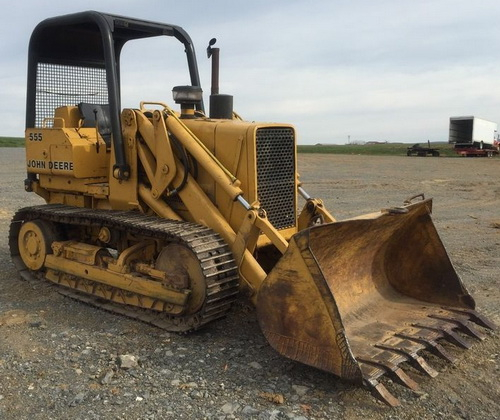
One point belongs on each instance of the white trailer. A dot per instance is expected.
(470, 130)
(473, 136)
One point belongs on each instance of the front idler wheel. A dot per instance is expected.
(34, 241)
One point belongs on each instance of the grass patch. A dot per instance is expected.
(384, 149)
(11, 141)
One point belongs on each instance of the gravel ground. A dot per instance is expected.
(62, 359)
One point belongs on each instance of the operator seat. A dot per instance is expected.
(91, 113)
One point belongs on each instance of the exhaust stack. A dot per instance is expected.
(221, 106)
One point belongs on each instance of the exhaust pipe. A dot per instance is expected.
(221, 106)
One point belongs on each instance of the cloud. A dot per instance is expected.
(385, 70)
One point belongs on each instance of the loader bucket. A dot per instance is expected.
(357, 298)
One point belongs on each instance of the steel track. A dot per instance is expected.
(213, 254)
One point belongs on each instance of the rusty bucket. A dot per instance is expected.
(357, 298)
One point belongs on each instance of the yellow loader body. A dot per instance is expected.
(166, 216)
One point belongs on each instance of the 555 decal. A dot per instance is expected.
(36, 136)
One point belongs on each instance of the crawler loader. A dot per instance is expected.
(167, 215)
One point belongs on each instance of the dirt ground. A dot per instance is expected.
(57, 356)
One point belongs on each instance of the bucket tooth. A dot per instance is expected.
(449, 334)
(436, 348)
(393, 370)
(416, 360)
(475, 317)
(463, 325)
(380, 392)
(425, 367)
(405, 380)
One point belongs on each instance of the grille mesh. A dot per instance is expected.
(59, 85)
(276, 174)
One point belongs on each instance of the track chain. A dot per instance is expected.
(213, 254)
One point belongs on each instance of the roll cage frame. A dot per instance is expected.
(95, 40)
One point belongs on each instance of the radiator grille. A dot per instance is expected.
(59, 85)
(276, 174)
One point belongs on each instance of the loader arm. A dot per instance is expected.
(345, 297)
(154, 136)
(164, 170)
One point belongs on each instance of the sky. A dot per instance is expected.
(339, 70)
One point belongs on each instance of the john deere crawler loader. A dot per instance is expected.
(166, 215)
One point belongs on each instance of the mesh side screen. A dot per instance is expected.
(276, 174)
(59, 85)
